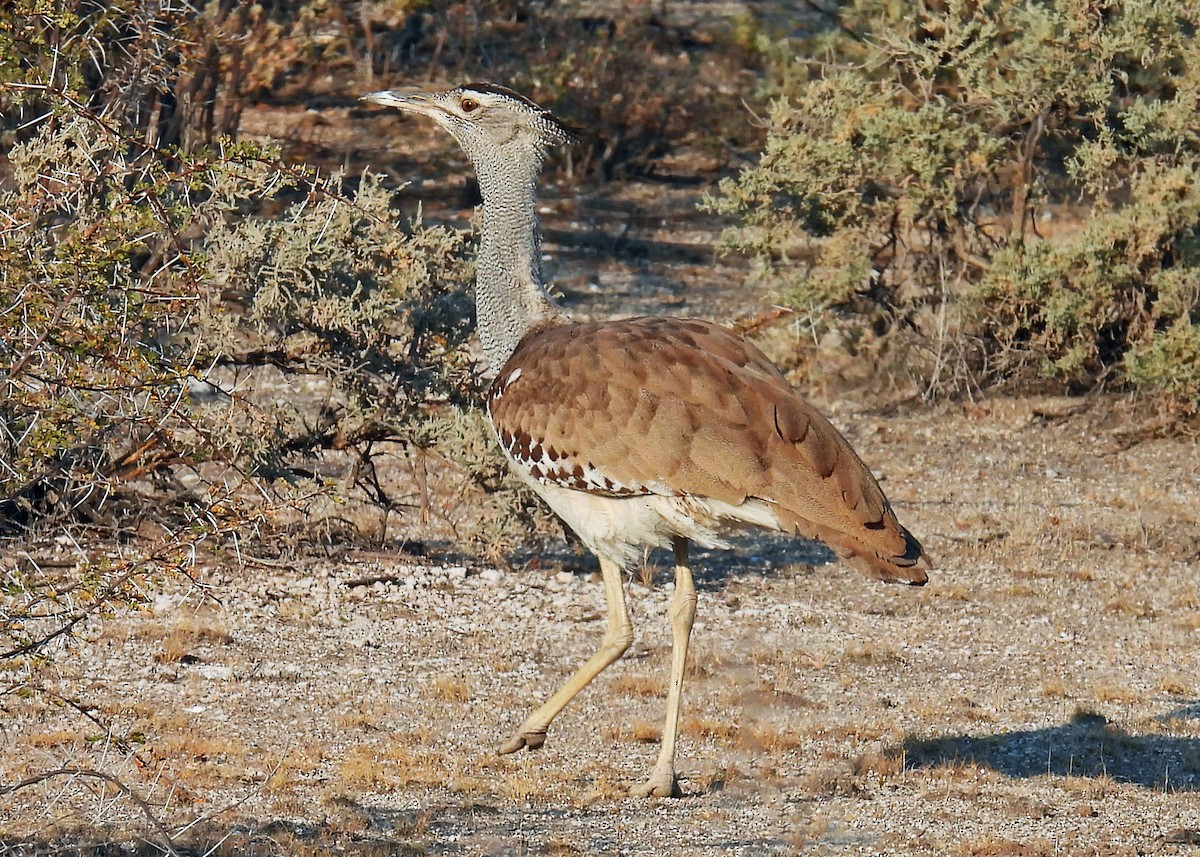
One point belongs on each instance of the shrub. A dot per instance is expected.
(165, 72)
(152, 321)
(1013, 184)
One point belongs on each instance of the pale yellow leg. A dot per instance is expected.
(617, 638)
(683, 613)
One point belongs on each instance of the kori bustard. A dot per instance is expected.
(645, 432)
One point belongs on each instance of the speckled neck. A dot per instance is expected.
(510, 297)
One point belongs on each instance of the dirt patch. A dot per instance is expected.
(1039, 696)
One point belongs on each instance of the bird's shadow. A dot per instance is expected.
(1088, 745)
(755, 553)
(751, 553)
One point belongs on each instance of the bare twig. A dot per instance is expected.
(141, 803)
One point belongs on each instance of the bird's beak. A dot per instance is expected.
(410, 103)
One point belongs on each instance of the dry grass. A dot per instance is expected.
(449, 688)
(1024, 806)
(697, 667)
(55, 738)
(1053, 687)
(951, 592)
(829, 780)
(499, 661)
(768, 740)
(520, 785)
(1116, 694)
(797, 659)
(637, 732)
(1176, 685)
(857, 731)
(605, 785)
(990, 847)
(721, 731)
(558, 847)
(190, 634)
(881, 765)
(362, 768)
(759, 739)
(718, 779)
(1094, 788)
(178, 739)
(373, 716)
(640, 686)
(301, 760)
(873, 653)
(1129, 605)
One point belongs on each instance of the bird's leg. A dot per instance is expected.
(682, 613)
(617, 638)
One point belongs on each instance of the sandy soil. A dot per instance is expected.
(1039, 696)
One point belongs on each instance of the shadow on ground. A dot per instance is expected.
(751, 553)
(1088, 746)
(349, 828)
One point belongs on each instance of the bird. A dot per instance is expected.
(643, 432)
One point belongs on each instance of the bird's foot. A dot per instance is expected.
(662, 783)
(531, 739)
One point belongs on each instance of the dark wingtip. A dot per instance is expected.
(914, 558)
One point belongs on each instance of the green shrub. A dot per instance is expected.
(150, 319)
(1013, 182)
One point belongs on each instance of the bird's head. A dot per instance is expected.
(484, 118)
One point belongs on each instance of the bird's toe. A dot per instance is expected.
(523, 739)
(659, 785)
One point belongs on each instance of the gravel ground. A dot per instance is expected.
(1038, 697)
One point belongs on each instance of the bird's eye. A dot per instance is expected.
(468, 105)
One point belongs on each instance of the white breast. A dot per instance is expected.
(623, 527)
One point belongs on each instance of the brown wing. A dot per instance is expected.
(684, 407)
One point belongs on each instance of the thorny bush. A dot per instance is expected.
(151, 318)
(159, 337)
(646, 83)
(197, 337)
(1012, 187)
